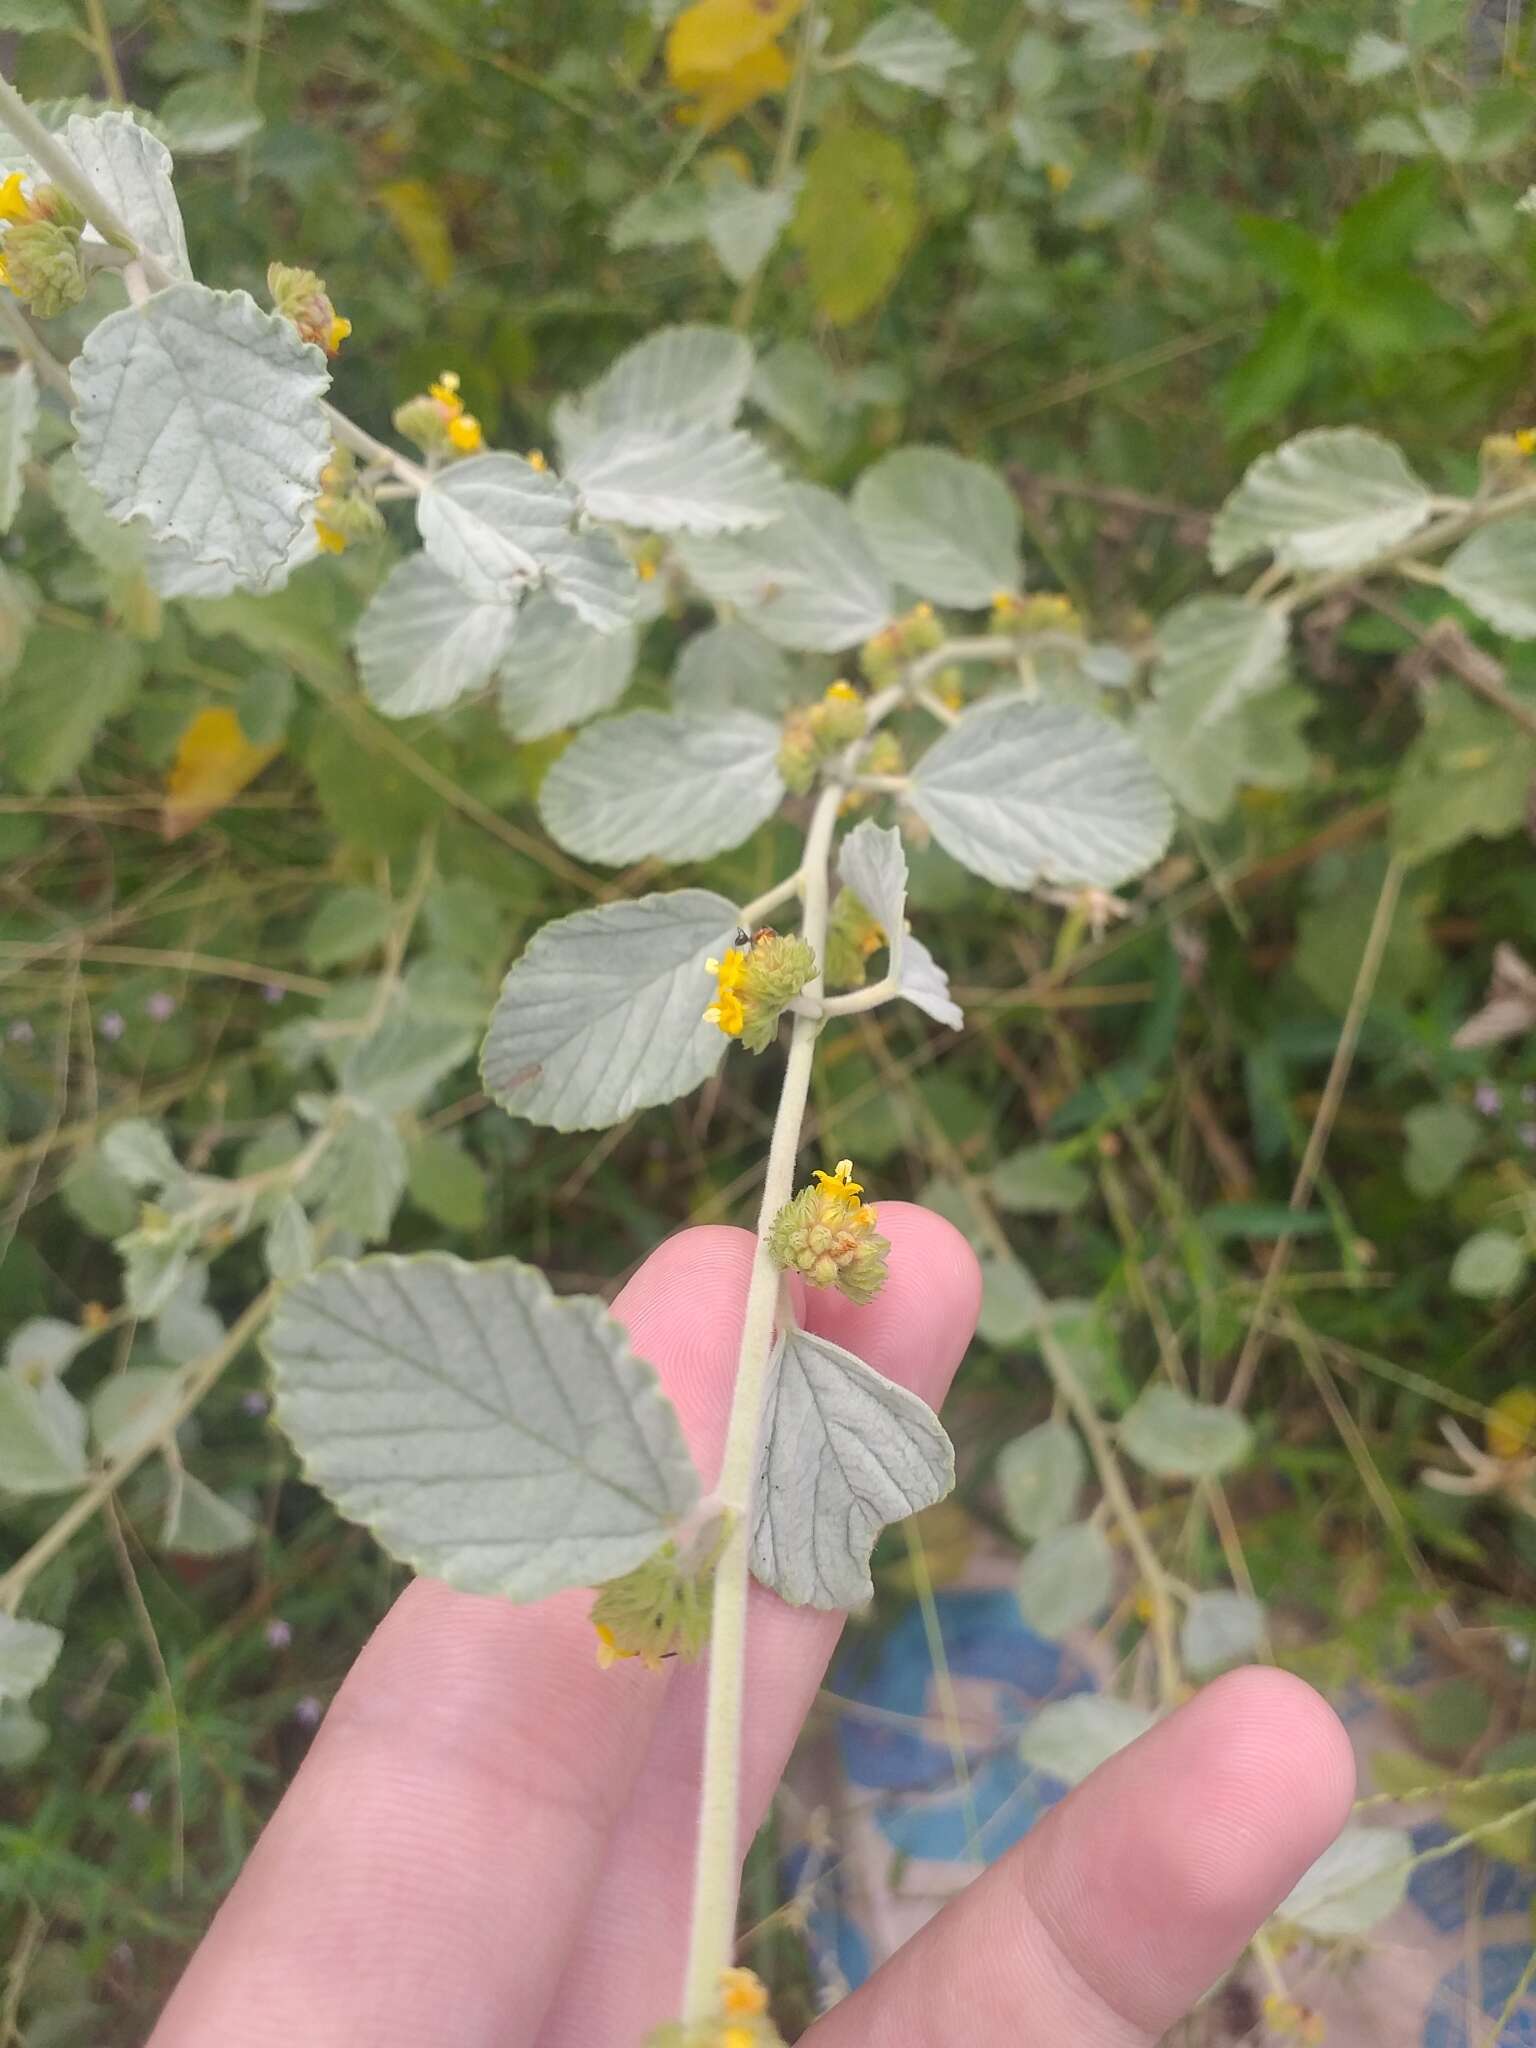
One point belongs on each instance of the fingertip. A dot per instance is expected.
(918, 1326)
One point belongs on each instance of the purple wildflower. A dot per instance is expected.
(254, 1403)
(21, 1032)
(1488, 1099)
(1527, 1136)
(279, 1633)
(160, 1006)
(307, 1711)
(111, 1026)
(271, 993)
(139, 1802)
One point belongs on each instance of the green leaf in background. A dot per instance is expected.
(209, 116)
(1373, 56)
(1333, 929)
(1178, 1438)
(1220, 63)
(1467, 775)
(491, 1434)
(1066, 1581)
(1011, 1303)
(559, 671)
(1352, 1887)
(743, 223)
(656, 784)
(289, 1245)
(1219, 1629)
(18, 423)
(677, 374)
(162, 434)
(131, 1408)
(1214, 655)
(1489, 1265)
(941, 525)
(397, 1066)
(1442, 1137)
(1329, 499)
(424, 642)
(604, 1012)
(447, 1181)
(64, 689)
(731, 667)
(693, 477)
(346, 924)
(28, 1652)
(1040, 1479)
(197, 1522)
(856, 219)
(844, 1451)
(42, 1436)
(1023, 793)
(357, 1183)
(1067, 1739)
(22, 1738)
(1037, 1181)
(133, 168)
(809, 581)
(910, 46)
(1494, 575)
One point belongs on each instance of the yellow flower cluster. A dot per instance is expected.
(463, 429)
(739, 2021)
(826, 1234)
(301, 296)
(726, 1010)
(813, 733)
(1512, 1425)
(917, 632)
(344, 512)
(754, 987)
(41, 260)
(1049, 612)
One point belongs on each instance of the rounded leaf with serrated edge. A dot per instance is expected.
(1357, 1881)
(844, 1451)
(1220, 1628)
(679, 478)
(1214, 653)
(1179, 1438)
(423, 642)
(591, 574)
(1330, 499)
(1040, 1478)
(658, 785)
(1494, 575)
(810, 581)
(491, 523)
(488, 1432)
(18, 423)
(678, 373)
(28, 1652)
(1067, 1739)
(132, 168)
(604, 1012)
(1023, 793)
(729, 667)
(1066, 1581)
(910, 46)
(202, 415)
(941, 525)
(560, 671)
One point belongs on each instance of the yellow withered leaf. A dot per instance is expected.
(1512, 1424)
(417, 212)
(214, 762)
(725, 52)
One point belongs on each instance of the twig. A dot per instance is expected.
(1450, 646)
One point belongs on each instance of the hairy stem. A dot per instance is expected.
(106, 52)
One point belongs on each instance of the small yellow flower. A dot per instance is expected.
(465, 433)
(334, 543)
(1512, 1424)
(446, 390)
(13, 204)
(738, 2037)
(336, 333)
(730, 972)
(841, 1184)
(608, 1651)
(1058, 176)
(646, 570)
(726, 1012)
(536, 459)
(742, 1995)
(1525, 437)
(842, 693)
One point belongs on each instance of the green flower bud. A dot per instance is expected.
(777, 969)
(423, 421)
(662, 1608)
(51, 204)
(852, 936)
(43, 266)
(826, 1234)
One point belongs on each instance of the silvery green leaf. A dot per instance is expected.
(943, 526)
(22, 1737)
(1373, 56)
(1022, 793)
(133, 169)
(207, 116)
(487, 1432)
(912, 47)
(604, 1012)
(198, 1522)
(590, 573)
(1494, 575)
(799, 390)
(1442, 1137)
(42, 1436)
(1040, 1478)
(132, 1408)
(656, 784)
(1330, 499)
(809, 581)
(397, 1067)
(1214, 654)
(560, 671)
(729, 666)
(679, 478)
(678, 373)
(202, 414)
(1011, 1301)
(924, 982)
(137, 1151)
(357, 1182)
(1037, 1181)
(743, 222)
(18, 423)
(174, 571)
(1356, 1882)
(1179, 1438)
(41, 1347)
(423, 642)
(186, 1328)
(667, 218)
(844, 1451)
(1067, 1580)
(28, 1652)
(872, 864)
(121, 548)
(155, 1259)
(1491, 1263)
(492, 522)
(1067, 1739)
(1205, 763)
(290, 1243)
(1220, 1629)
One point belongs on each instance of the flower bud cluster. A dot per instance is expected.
(436, 421)
(917, 632)
(739, 2021)
(755, 983)
(852, 937)
(663, 1607)
(300, 296)
(814, 733)
(1047, 612)
(41, 254)
(826, 1234)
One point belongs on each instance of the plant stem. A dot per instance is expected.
(717, 1871)
(33, 348)
(106, 53)
(788, 149)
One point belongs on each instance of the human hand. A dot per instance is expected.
(490, 1844)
